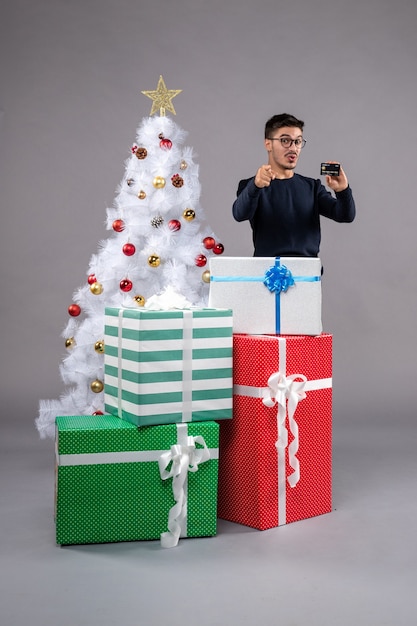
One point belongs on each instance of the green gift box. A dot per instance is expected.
(165, 367)
(116, 482)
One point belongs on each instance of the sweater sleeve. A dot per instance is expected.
(245, 205)
(341, 208)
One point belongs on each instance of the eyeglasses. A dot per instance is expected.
(286, 142)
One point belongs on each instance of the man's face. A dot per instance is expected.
(283, 157)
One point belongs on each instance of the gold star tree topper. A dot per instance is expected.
(162, 98)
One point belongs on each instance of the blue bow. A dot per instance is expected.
(278, 278)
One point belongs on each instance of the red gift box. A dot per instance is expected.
(275, 454)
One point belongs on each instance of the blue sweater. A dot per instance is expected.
(285, 217)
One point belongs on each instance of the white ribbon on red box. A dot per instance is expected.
(285, 391)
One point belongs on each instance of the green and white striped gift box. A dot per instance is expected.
(165, 367)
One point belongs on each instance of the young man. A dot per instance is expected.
(283, 207)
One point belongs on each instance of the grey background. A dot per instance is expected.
(71, 77)
(71, 74)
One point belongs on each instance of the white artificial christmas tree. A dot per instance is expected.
(159, 242)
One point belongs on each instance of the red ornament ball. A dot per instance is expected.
(200, 260)
(74, 310)
(174, 225)
(165, 144)
(209, 243)
(91, 279)
(129, 249)
(118, 226)
(126, 285)
(218, 248)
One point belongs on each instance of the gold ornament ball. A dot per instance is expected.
(97, 386)
(183, 165)
(154, 260)
(96, 289)
(189, 215)
(141, 195)
(99, 346)
(206, 276)
(158, 182)
(140, 300)
(70, 342)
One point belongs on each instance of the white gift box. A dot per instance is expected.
(268, 295)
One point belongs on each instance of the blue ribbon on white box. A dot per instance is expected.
(278, 278)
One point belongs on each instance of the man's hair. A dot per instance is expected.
(281, 120)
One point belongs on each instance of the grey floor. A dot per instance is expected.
(354, 566)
